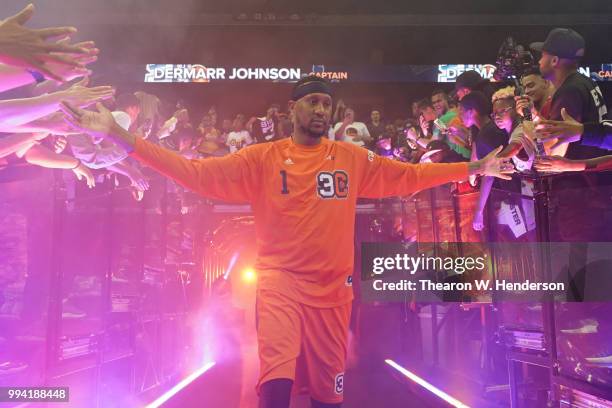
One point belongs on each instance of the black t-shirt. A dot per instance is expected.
(488, 138)
(583, 100)
(263, 130)
(376, 131)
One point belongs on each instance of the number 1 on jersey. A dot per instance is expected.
(284, 190)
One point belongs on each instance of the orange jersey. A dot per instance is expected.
(304, 200)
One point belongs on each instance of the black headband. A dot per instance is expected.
(309, 88)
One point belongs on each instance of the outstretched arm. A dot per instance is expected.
(511, 150)
(486, 185)
(570, 130)
(12, 143)
(231, 178)
(386, 178)
(598, 135)
(53, 123)
(15, 77)
(41, 156)
(17, 112)
(556, 164)
(136, 177)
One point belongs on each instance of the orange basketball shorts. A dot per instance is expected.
(305, 344)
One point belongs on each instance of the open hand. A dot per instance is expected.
(568, 130)
(139, 182)
(98, 124)
(136, 193)
(493, 166)
(82, 172)
(34, 48)
(81, 96)
(348, 119)
(73, 65)
(59, 144)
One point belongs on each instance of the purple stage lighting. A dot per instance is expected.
(429, 387)
(232, 262)
(182, 384)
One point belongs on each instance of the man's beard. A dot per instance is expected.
(315, 134)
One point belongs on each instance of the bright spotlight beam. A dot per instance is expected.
(232, 262)
(182, 384)
(429, 387)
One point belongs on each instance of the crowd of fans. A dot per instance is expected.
(462, 125)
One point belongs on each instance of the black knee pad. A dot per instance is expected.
(275, 393)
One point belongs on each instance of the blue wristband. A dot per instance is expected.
(36, 75)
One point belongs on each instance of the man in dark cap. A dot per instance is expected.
(303, 191)
(582, 99)
(579, 95)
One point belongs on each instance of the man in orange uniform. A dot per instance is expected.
(303, 191)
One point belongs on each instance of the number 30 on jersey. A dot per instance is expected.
(329, 184)
(332, 185)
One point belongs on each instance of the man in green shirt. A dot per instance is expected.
(447, 126)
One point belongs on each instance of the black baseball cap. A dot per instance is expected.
(563, 43)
